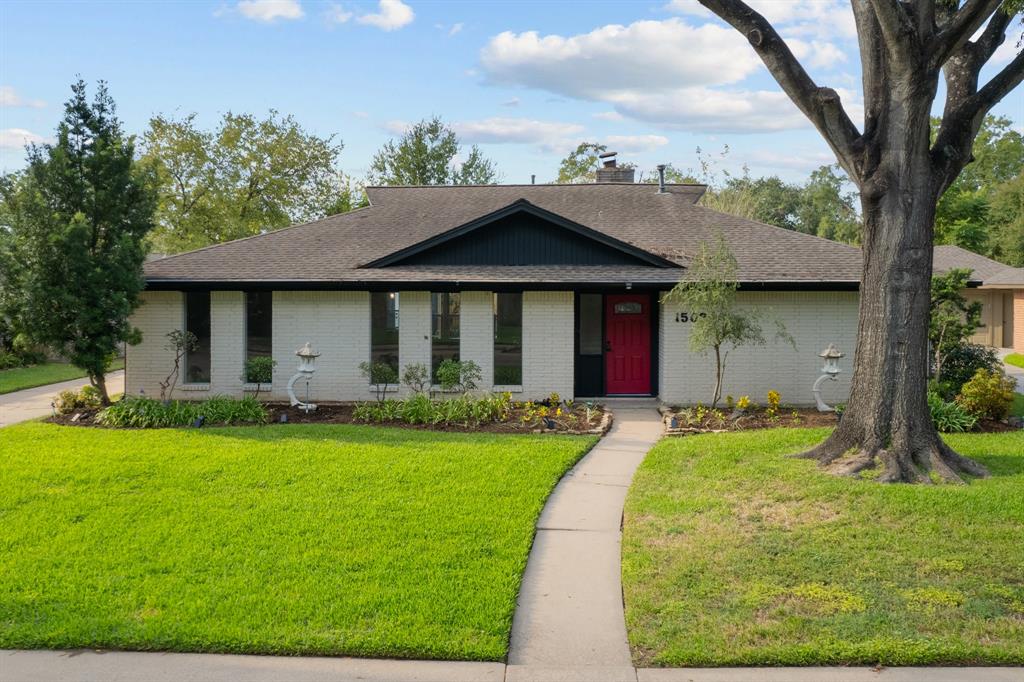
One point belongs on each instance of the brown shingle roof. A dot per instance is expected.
(947, 257)
(669, 225)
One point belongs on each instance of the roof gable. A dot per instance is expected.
(521, 234)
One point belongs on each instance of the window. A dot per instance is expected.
(258, 324)
(508, 339)
(197, 321)
(444, 330)
(590, 324)
(384, 328)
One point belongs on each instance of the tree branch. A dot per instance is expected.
(961, 26)
(820, 105)
(901, 36)
(964, 115)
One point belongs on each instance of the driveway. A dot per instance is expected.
(1012, 370)
(33, 403)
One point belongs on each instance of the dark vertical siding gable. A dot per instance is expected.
(522, 239)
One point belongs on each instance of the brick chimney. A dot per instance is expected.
(610, 171)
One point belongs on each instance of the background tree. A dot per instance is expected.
(581, 164)
(245, 177)
(427, 155)
(900, 172)
(826, 208)
(717, 322)
(1006, 215)
(78, 223)
(964, 213)
(952, 319)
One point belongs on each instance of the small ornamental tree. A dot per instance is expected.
(181, 343)
(381, 375)
(953, 319)
(718, 324)
(259, 371)
(78, 221)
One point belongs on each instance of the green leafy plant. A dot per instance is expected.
(962, 363)
(772, 409)
(952, 318)
(381, 375)
(988, 395)
(146, 413)
(181, 343)
(949, 417)
(259, 371)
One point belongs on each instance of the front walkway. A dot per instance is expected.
(1012, 370)
(33, 403)
(569, 623)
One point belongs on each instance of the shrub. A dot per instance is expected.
(9, 360)
(949, 417)
(380, 375)
(259, 371)
(963, 363)
(416, 377)
(69, 401)
(453, 375)
(988, 395)
(146, 413)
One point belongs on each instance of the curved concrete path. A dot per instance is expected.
(569, 622)
(33, 403)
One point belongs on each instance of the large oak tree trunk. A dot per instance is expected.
(887, 422)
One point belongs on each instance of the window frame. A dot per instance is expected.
(209, 338)
(495, 340)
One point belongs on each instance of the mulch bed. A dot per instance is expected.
(573, 422)
(803, 417)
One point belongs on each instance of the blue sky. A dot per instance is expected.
(524, 80)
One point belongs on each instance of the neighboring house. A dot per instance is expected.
(549, 288)
(1000, 288)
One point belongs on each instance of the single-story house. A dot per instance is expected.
(999, 288)
(548, 288)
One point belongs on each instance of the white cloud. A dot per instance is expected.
(336, 14)
(17, 138)
(608, 116)
(709, 110)
(361, 114)
(270, 10)
(513, 102)
(391, 16)
(669, 72)
(635, 143)
(803, 161)
(10, 98)
(1009, 49)
(456, 28)
(826, 19)
(549, 135)
(816, 53)
(396, 127)
(646, 55)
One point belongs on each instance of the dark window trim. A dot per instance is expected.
(432, 286)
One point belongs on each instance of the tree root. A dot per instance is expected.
(930, 461)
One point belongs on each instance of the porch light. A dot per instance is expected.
(830, 369)
(307, 366)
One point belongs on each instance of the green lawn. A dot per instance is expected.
(41, 375)
(1016, 359)
(281, 539)
(735, 554)
(1018, 405)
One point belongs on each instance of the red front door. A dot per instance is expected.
(627, 357)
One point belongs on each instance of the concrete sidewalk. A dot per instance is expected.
(133, 666)
(1012, 370)
(569, 622)
(33, 403)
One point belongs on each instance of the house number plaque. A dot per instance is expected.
(689, 317)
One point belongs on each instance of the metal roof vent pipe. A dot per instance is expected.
(661, 178)
(610, 171)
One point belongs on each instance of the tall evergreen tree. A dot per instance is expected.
(78, 221)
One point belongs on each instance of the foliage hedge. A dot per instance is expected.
(147, 413)
(464, 410)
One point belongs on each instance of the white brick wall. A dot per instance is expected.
(227, 342)
(548, 351)
(148, 363)
(814, 319)
(476, 333)
(337, 323)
